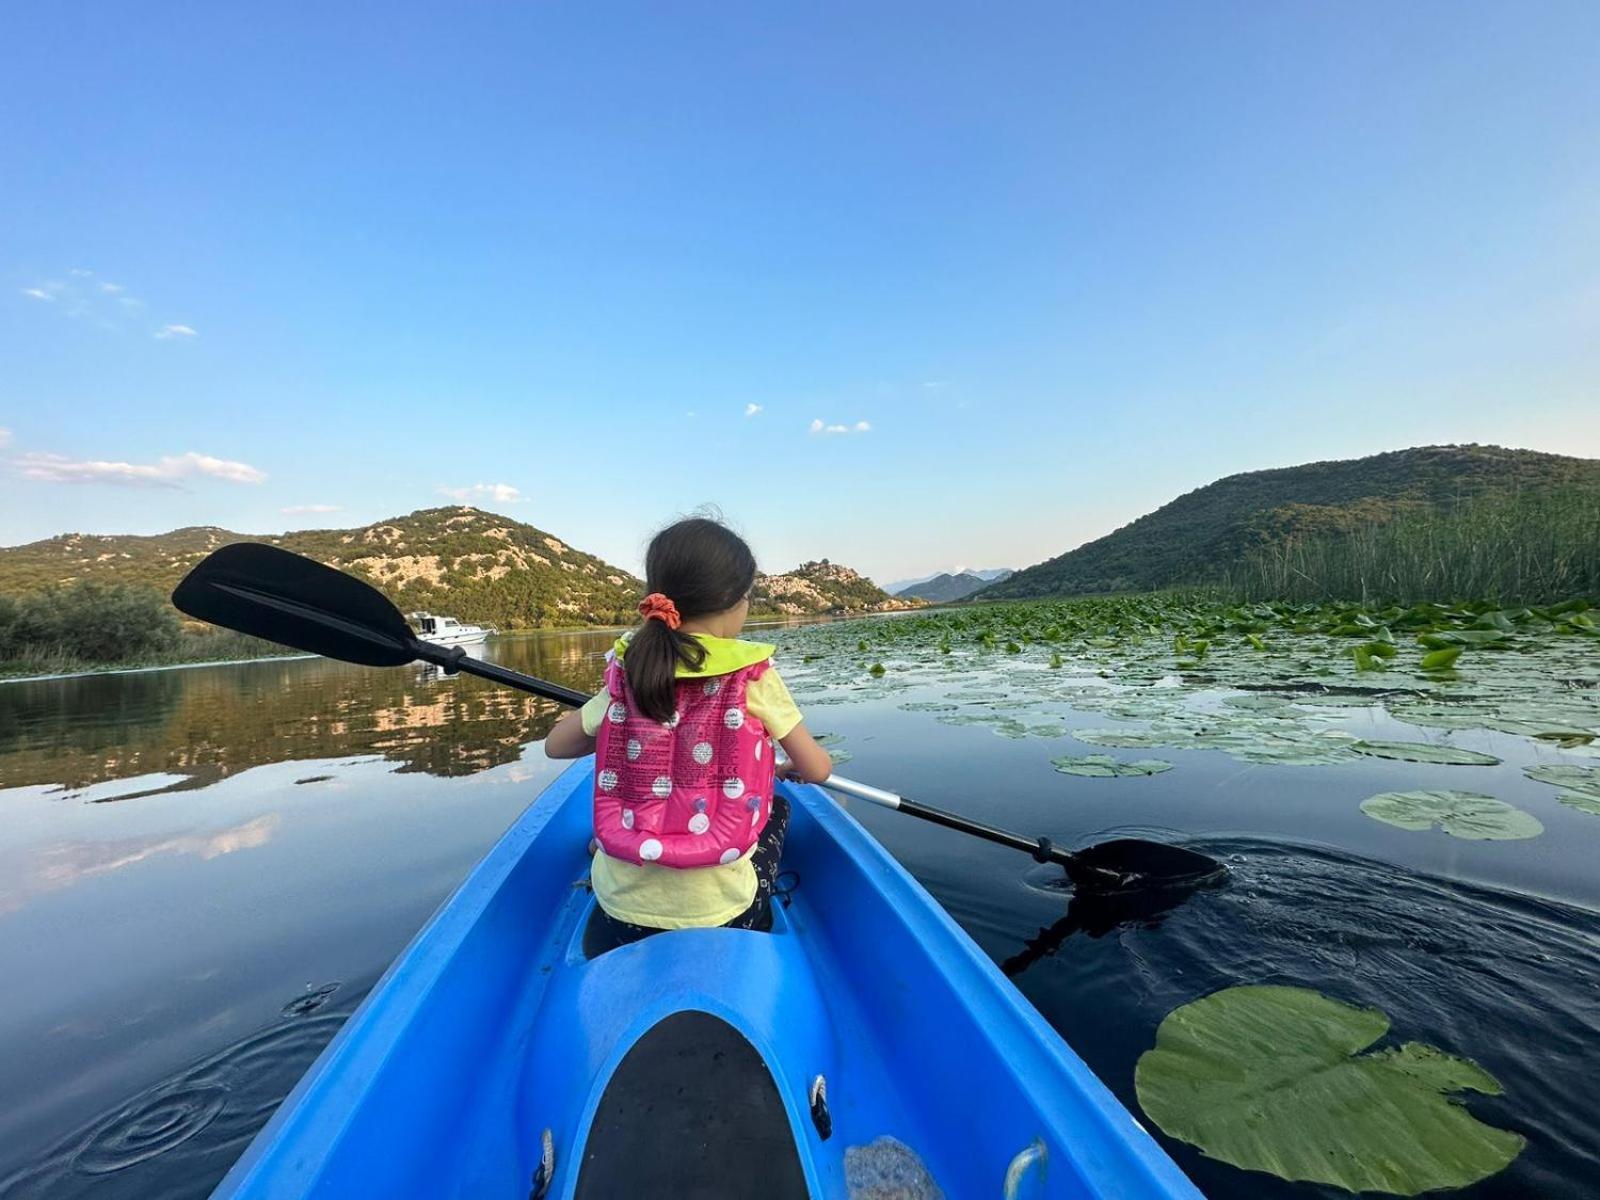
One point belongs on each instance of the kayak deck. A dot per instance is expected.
(686, 1063)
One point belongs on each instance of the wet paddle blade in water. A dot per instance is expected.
(1123, 864)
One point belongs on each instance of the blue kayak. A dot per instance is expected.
(865, 1042)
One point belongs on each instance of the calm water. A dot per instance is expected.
(203, 871)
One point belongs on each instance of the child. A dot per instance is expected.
(687, 824)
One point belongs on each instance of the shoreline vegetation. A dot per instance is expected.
(1526, 549)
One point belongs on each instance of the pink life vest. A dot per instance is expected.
(693, 792)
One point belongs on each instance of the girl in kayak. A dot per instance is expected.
(688, 828)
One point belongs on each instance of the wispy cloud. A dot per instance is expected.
(297, 509)
(751, 410)
(501, 493)
(166, 472)
(5, 438)
(108, 304)
(822, 429)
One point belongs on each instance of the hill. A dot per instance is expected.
(1200, 535)
(943, 588)
(474, 565)
(822, 587)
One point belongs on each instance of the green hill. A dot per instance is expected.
(1201, 535)
(822, 587)
(474, 565)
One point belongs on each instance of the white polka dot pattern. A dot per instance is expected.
(617, 713)
(729, 855)
(627, 818)
(711, 687)
(699, 823)
(702, 753)
(662, 787)
(733, 718)
(608, 780)
(733, 788)
(649, 850)
(634, 749)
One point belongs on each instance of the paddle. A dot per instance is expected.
(283, 597)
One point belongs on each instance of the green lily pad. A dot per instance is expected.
(1425, 752)
(1126, 739)
(1469, 815)
(1273, 1079)
(1103, 766)
(1581, 785)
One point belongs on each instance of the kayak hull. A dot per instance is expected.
(493, 1028)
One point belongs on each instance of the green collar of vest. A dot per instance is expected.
(723, 655)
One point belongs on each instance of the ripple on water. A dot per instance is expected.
(1507, 980)
(176, 1139)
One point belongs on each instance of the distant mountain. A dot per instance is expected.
(1196, 537)
(464, 562)
(901, 586)
(942, 589)
(822, 587)
(460, 561)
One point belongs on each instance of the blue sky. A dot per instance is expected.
(1046, 266)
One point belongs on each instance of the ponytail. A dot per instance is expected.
(702, 568)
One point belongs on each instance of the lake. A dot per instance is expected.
(202, 871)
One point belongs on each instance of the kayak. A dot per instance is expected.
(864, 1043)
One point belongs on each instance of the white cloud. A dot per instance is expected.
(80, 272)
(111, 289)
(5, 437)
(502, 493)
(167, 472)
(751, 410)
(175, 331)
(818, 426)
(295, 509)
(37, 293)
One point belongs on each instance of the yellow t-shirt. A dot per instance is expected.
(695, 897)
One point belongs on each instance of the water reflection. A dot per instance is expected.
(195, 727)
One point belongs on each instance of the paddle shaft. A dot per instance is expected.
(1040, 848)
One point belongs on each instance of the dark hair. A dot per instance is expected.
(703, 568)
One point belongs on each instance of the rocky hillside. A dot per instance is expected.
(474, 565)
(1198, 536)
(471, 564)
(822, 587)
(944, 588)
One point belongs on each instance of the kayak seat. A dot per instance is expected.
(691, 1111)
(599, 937)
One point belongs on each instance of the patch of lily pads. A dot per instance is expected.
(1580, 786)
(1471, 816)
(1425, 752)
(1284, 1080)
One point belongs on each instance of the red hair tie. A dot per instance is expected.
(656, 607)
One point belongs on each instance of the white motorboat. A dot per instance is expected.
(447, 631)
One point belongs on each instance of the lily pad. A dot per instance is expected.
(1273, 1079)
(1469, 815)
(1425, 752)
(1103, 766)
(1581, 785)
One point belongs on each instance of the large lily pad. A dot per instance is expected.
(1425, 752)
(1273, 1079)
(1103, 766)
(1469, 815)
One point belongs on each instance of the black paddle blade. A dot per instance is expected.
(1123, 864)
(294, 601)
